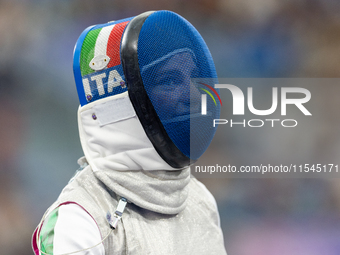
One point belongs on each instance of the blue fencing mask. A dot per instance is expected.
(167, 69)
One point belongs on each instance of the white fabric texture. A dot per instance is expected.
(121, 145)
(76, 230)
(122, 157)
(142, 231)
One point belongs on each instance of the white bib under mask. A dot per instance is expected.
(122, 157)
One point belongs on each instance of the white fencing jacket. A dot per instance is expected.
(168, 211)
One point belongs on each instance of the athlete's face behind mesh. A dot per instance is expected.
(171, 53)
(175, 96)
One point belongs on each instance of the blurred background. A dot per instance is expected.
(39, 142)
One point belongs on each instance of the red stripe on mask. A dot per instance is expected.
(113, 44)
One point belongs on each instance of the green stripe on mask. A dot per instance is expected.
(87, 51)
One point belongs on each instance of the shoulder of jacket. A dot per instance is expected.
(201, 190)
(67, 228)
(200, 195)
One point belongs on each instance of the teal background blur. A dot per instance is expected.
(39, 142)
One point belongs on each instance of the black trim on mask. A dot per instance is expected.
(146, 113)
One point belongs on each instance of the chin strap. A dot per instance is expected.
(113, 221)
